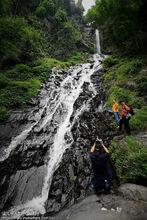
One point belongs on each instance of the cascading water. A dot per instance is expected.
(54, 111)
(98, 47)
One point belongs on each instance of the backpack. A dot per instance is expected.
(130, 112)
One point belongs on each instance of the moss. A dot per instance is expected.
(130, 158)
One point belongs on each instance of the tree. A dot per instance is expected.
(118, 21)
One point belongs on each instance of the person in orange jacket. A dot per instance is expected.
(115, 107)
(124, 118)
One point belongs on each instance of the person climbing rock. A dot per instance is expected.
(115, 107)
(125, 117)
(102, 173)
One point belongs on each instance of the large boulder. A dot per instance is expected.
(133, 191)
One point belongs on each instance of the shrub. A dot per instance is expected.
(119, 94)
(142, 85)
(128, 68)
(139, 120)
(3, 81)
(3, 113)
(77, 57)
(19, 41)
(18, 93)
(20, 72)
(60, 17)
(130, 158)
(45, 8)
(110, 61)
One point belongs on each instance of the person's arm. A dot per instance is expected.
(93, 148)
(104, 147)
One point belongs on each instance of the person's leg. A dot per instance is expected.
(117, 118)
(126, 125)
(120, 124)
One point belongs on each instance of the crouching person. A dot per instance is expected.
(102, 172)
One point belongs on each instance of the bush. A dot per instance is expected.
(121, 94)
(77, 57)
(20, 72)
(139, 120)
(128, 68)
(3, 113)
(45, 8)
(18, 93)
(110, 61)
(19, 41)
(3, 81)
(130, 159)
(60, 17)
(142, 85)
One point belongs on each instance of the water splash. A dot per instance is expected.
(62, 107)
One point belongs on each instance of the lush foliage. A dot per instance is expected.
(32, 35)
(19, 41)
(130, 158)
(121, 22)
(139, 120)
(122, 80)
(19, 84)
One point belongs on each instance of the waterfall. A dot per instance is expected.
(54, 111)
(98, 48)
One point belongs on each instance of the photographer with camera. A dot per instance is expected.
(101, 165)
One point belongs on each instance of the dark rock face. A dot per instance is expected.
(25, 191)
(22, 172)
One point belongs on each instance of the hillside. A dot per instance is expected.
(36, 36)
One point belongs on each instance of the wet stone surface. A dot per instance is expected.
(22, 172)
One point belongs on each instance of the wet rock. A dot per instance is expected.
(133, 192)
(24, 166)
(23, 186)
(105, 207)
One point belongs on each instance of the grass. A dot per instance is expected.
(124, 81)
(130, 158)
(139, 120)
(23, 81)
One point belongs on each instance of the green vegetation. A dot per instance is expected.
(122, 79)
(139, 120)
(130, 158)
(19, 41)
(122, 24)
(36, 36)
(23, 81)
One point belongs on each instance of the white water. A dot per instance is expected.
(98, 47)
(63, 102)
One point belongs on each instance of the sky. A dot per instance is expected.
(87, 4)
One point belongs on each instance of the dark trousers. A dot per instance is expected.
(125, 122)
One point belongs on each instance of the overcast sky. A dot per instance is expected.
(88, 3)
